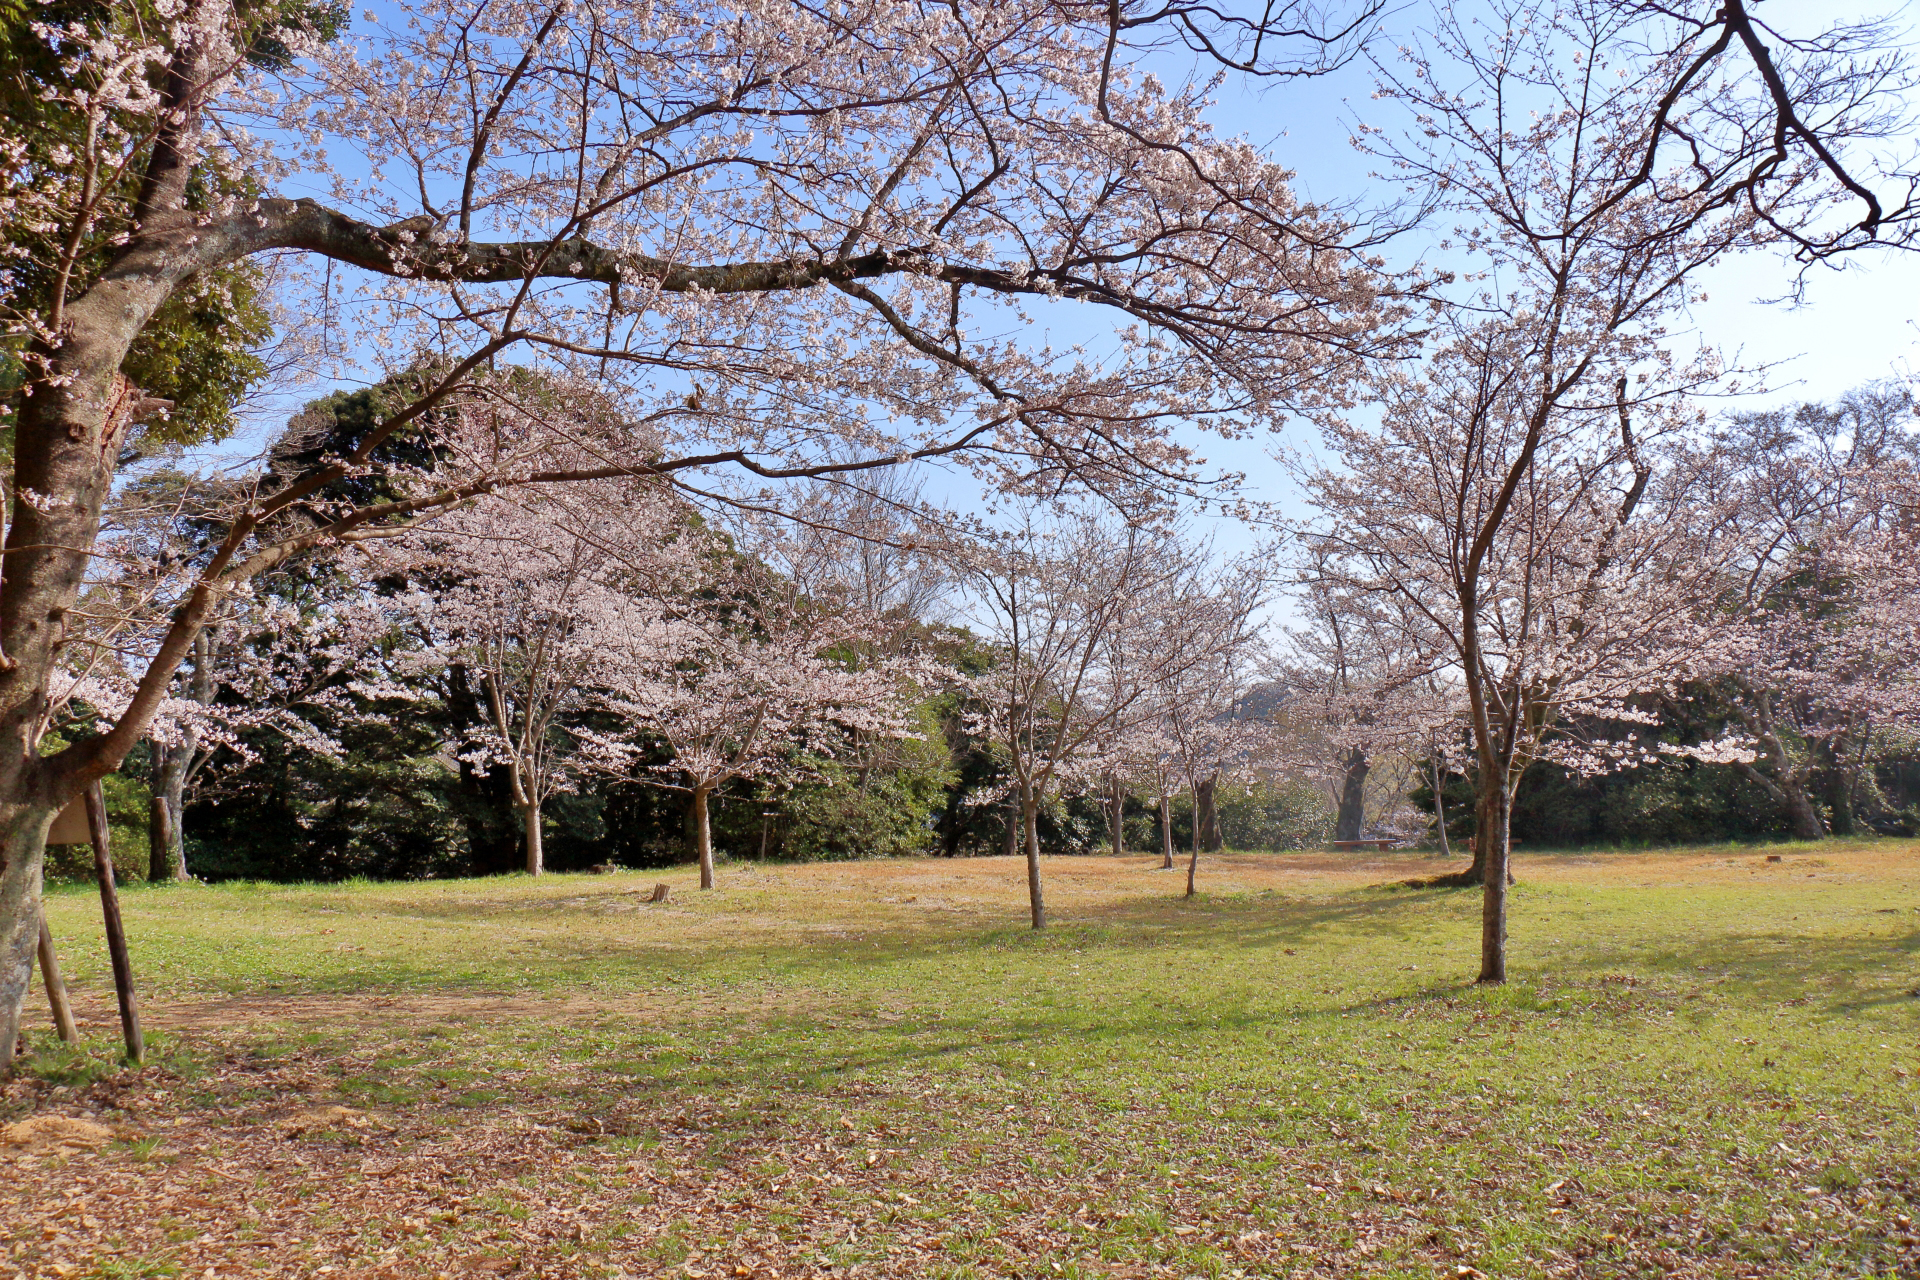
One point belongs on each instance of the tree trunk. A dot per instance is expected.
(23, 831)
(1352, 811)
(1493, 852)
(1840, 819)
(1801, 813)
(1193, 858)
(536, 846)
(159, 841)
(1440, 806)
(56, 987)
(1787, 780)
(116, 931)
(1119, 816)
(67, 434)
(1166, 834)
(701, 829)
(172, 765)
(1013, 823)
(1030, 823)
(1206, 813)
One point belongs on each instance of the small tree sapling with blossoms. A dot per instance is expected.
(1089, 617)
(746, 681)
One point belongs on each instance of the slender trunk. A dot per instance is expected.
(1440, 806)
(1030, 823)
(1013, 823)
(1166, 834)
(1493, 850)
(175, 794)
(1206, 813)
(1119, 815)
(1352, 811)
(536, 847)
(159, 841)
(1193, 858)
(766, 829)
(701, 830)
(56, 987)
(116, 931)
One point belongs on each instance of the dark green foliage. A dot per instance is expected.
(1686, 802)
(872, 812)
(198, 351)
(1271, 816)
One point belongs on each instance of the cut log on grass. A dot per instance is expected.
(56, 987)
(116, 933)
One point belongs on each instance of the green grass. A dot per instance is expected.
(1704, 1066)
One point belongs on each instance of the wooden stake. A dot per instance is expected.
(116, 933)
(56, 986)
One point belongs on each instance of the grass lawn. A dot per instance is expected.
(1705, 1067)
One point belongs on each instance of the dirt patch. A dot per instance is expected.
(224, 1013)
(54, 1133)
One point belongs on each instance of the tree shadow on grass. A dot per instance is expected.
(1844, 974)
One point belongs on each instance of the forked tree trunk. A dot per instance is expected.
(1166, 834)
(1352, 811)
(1030, 824)
(536, 847)
(700, 828)
(1785, 778)
(1801, 813)
(64, 442)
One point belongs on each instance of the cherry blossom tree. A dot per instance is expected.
(533, 601)
(784, 241)
(753, 681)
(1818, 661)
(1527, 494)
(1359, 677)
(1210, 739)
(1092, 618)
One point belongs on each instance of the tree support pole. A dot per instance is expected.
(56, 985)
(116, 932)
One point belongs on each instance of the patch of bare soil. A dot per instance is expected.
(97, 1013)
